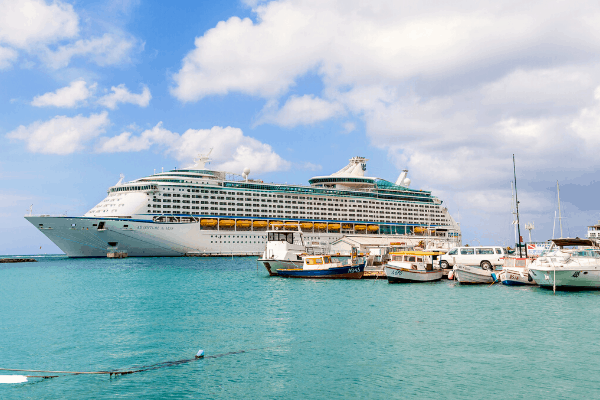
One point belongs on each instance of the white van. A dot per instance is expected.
(484, 256)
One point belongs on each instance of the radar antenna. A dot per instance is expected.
(202, 159)
(120, 180)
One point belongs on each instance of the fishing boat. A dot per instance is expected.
(413, 266)
(323, 267)
(515, 271)
(286, 247)
(569, 264)
(472, 274)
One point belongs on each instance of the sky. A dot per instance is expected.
(293, 89)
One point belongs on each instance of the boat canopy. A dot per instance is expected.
(573, 242)
(418, 253)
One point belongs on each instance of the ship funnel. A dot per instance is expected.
(402, 179)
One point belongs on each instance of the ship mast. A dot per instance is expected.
(559, 216)
(517, 206)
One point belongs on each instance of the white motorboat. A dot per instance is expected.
(472, 274)
(413, 266)
(284, 250)
(569, 264)
(515, 271)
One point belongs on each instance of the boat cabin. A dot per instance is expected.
(283, 236)
(319, 262)
(422, 260)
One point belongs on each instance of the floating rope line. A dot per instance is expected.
(144, 368)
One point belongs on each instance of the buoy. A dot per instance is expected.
(200, 354)
(451, 275)
(13, 378)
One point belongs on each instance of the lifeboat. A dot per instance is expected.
(347, 226)
(291, 224)
(260, 224)
(360, 227)
(243, 223)
(420, 229)
(306, 225)
(334, 227)
(226, 223)
(277, 224)
(373, 228)
(208, 222)
(320, 225)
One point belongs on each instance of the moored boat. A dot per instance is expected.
(324, 268)
(563, 268)
(472, 274)
(515, 272)
(413, 266)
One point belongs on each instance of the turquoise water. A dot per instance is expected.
(303, 339)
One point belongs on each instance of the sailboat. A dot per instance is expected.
(514, 271)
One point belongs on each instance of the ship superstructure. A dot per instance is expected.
(196, 210)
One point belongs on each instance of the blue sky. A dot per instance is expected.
(293, 89)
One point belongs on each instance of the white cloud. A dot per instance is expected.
(387, 41)
(61, 134)
(586, 125)
(51, 32)
(304, 110)
(349, 127)
(120, 94)
(70, 96)
(7, 57)
(125, 142)
(108, 49)
(232, 150)
(27, 23)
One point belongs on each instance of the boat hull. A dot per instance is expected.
(567, 279)
(472, 275)
(273, 265)
(515, 277)
(404, 275)
(345, 272)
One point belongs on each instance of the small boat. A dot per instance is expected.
(413, 266)
(284, 250)
(472, 274)
(515, 272)
(575, 268)
(323, 267)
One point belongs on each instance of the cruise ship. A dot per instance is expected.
(199, 211)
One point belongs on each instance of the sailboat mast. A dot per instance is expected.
(559, 216)
(517, 206)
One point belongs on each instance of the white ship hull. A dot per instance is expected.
(144, 238)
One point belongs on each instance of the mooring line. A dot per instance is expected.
(144, 368)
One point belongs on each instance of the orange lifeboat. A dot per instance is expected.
(373, 228)
(360, 227)
(226, 223)
(334, 227)
(208, 222)
(243, 223)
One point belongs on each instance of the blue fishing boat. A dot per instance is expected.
(322, 267)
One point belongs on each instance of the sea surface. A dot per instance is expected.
(289, 338)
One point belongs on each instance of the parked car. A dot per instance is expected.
(484, 256)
